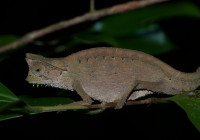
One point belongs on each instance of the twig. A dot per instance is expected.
(83, 107)
(30, 37)
(92, 5)
(129, 103)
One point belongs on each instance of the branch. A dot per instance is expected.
(128, 103)
(94, 106)
(30, 37)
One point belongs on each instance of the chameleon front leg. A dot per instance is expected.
(86, 98)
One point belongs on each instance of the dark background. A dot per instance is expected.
(156, 121)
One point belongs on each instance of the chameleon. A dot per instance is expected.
(109, 74)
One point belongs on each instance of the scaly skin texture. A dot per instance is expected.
(110, 75)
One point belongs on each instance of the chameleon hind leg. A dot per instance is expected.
(122, 100)
(139, 85)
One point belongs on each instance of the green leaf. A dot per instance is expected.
(11, 106)
(6, 95)
(129, 22)
(45, 101)
(191, 106)
(151, 40)
(94, 38)
(7, 100)
(9, 116)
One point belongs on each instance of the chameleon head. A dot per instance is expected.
(43, 73)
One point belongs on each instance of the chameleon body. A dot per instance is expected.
(110, 75)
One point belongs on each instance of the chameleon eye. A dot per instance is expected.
(38, 70)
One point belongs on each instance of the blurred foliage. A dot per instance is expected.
(138, 29)
(7, 99)
(191, 106)
(12, 106)
(5, 39)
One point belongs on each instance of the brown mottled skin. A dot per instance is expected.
(110, 75)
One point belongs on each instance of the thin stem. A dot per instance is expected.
(38, 109)
(92, 5)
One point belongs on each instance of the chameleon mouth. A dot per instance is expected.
(35, 80)
(39, 85)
